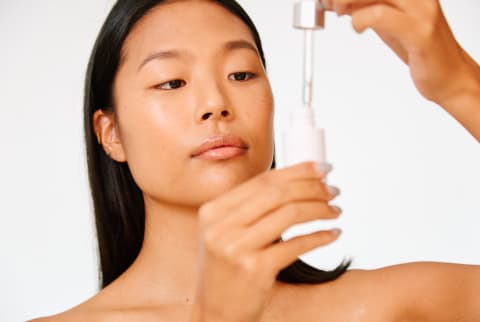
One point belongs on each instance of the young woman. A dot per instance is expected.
(179, 132)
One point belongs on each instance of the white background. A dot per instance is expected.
(409, 174)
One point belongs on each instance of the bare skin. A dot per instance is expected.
(208, 253)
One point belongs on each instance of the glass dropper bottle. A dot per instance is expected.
(303, 141)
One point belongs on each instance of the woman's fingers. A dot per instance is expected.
(272, 186)
(394, 26)
(269, 228)
(343, 5)
(384, 19)
(238, 228)
(285, 253)
(418, 33)
(274, 197)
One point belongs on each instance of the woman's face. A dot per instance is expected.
(191, 74)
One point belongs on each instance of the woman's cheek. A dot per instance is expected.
(149, 140)
(259, 119)
(158, 121)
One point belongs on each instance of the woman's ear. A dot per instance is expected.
(106, 130)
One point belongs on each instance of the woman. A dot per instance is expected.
(179, 130)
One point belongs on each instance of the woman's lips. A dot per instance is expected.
(220, 147)
(221, 153)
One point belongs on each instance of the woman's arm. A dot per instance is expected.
(422, 291)
(418, 33)
(437, 291)
(454, 293)
(465, 107)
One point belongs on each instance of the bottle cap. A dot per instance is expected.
(308, 14)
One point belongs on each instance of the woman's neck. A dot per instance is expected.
(166, 268)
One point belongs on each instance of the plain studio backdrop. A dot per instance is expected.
(409, 174)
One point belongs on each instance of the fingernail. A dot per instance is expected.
(333, 191)
(327, 4)
(339, 9)
(336, 232)
(337, 209)
(323, 168)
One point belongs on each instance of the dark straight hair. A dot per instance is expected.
(117, 200)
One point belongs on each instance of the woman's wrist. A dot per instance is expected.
(464, 106)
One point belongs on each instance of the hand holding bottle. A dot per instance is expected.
(239, 257)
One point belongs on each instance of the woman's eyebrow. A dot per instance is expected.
(240, 44)
(175, 54)
(164, 54)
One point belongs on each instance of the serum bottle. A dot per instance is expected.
(303, 141)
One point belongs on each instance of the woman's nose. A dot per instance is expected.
(224, 114)
(213, 105)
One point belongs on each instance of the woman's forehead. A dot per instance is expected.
(185, 25)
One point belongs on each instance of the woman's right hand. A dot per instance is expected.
(418, 32)
(239, 258)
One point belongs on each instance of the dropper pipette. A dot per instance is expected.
(308, 16)
(308, 68)
(303, 141)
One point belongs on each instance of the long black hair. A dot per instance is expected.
(117, 200)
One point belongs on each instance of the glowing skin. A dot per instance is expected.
(161, 104)
(166, 109)
(190, 72)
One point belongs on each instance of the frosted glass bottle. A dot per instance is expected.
(304, 142)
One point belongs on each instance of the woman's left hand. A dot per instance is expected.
(419, 34)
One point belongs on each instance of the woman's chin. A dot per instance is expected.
(217, 185)
(215, 182)
(197, 186)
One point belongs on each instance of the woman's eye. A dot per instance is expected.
(173, 84)
(241, 76)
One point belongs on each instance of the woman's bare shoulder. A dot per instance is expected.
(351, 297)
(97, 308)
(121, 314)
(72, 315)
(106, 314)
(406, 292)
(422, 291)
(111, 304)
(434, 291)
(87, 311)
